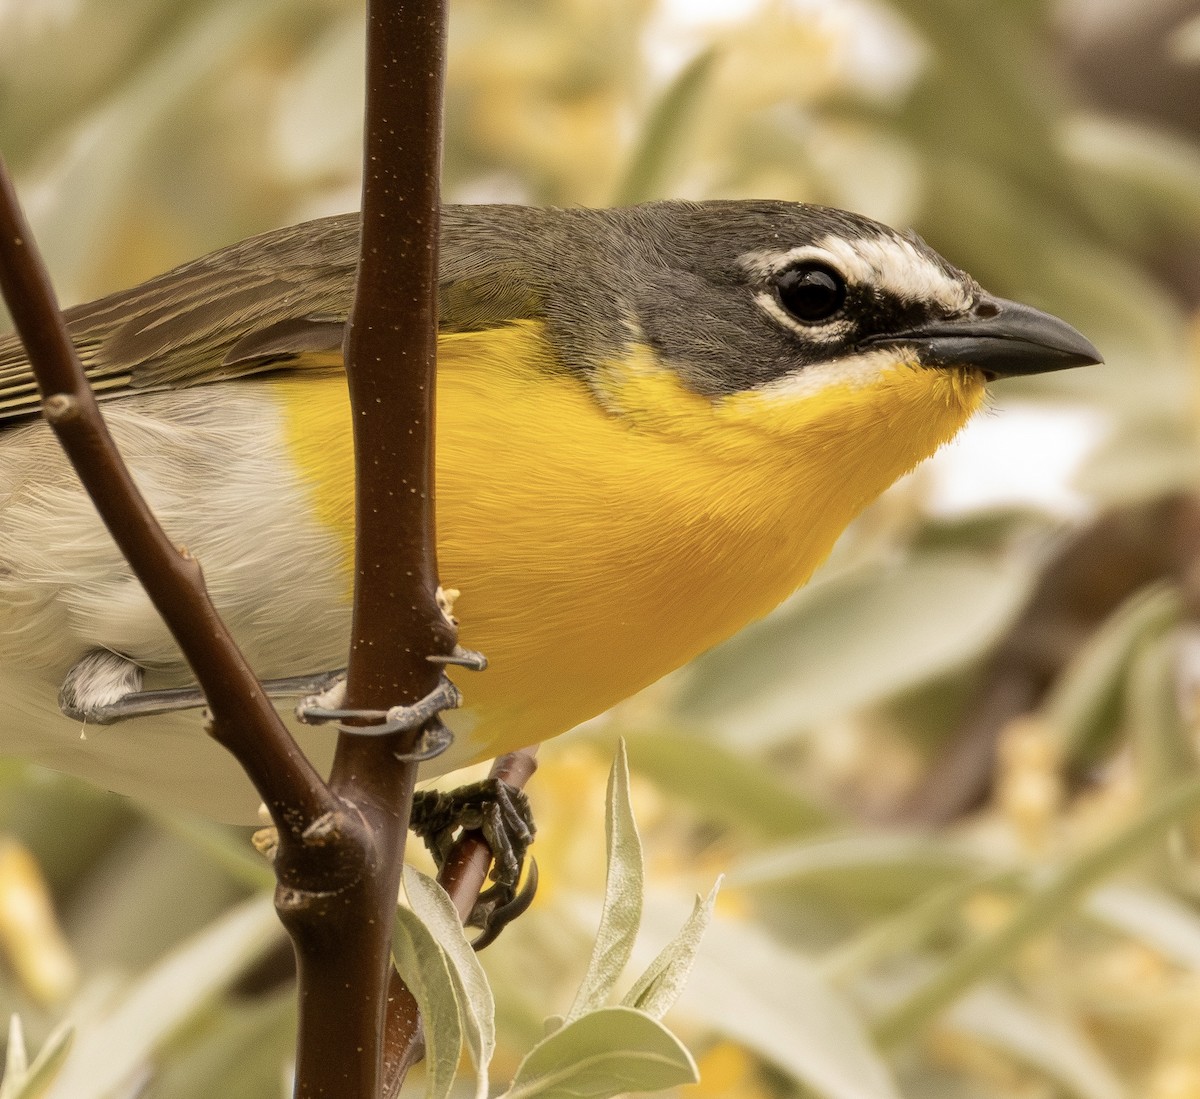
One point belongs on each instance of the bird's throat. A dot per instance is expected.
(598, 548)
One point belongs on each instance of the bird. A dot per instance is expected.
(653, 423)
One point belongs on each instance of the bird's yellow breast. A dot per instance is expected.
(597, 549)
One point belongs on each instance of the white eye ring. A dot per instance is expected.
(830, 332)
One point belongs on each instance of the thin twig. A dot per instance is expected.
(463, 876)
(243, 720)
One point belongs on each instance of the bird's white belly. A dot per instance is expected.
(212, 465)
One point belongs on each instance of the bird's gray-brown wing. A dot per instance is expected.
(278, 301)
(248, 308)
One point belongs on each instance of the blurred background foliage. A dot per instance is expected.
(952, 783)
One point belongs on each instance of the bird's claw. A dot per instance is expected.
(464, 658)
(498, 906)
(329, 705)
(501, 813)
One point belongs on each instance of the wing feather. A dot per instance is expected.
(278, 301)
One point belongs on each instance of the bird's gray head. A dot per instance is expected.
(754, 294)
(742, 295)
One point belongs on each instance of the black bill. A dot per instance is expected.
(1004, 339)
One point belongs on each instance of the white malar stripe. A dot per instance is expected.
(892, 264)
(854, 370)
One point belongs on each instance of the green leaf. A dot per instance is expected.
(1162, 739)
(873, 870)
(1038, 1039)
(110, 1050)
(623, 888)
(911, 928)
(1147, 457)
(16, 1057)
(750, 988)
(131, 916)
(854, 641)
(477, 1006)
(112, 145)
(604, 1053)
(723, 783)
(665, 133)
(1160, 168)
(229, 848)
(238, 1050)
(1084, 705)
(660, 985)
(1043, 909)
(423, 965)
(1159, 920)
(1002, 116)
(30, 1081)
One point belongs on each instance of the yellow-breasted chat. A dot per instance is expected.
(652, 425)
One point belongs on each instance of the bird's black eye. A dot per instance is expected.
(811, 292)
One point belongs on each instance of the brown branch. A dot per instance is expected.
(341, 846)
(343, 943)
(326, 853)
(391, 350)
(243, 720)
(463, 877)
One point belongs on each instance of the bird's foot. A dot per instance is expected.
(502, 814)
(329, 704)
(464, 658)
(103, 687)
